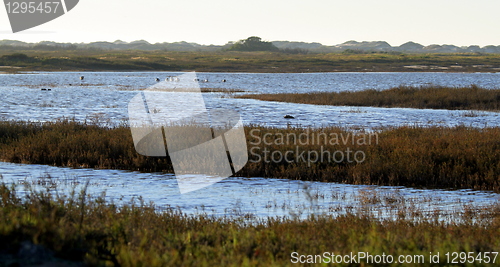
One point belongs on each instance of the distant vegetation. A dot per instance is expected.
(286, 60)
(252, 44)
(458, 157)
(247, 55)
(434, 97)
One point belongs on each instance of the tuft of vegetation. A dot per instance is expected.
(422, 97)
(50, 229)
(221, 90)
(437, 157)
(16, 57)
(253, 43)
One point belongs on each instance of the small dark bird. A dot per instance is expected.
(48, 89)
(82, 77)
(288, 117)
(43, 89)
(224, 80)
(157, 79)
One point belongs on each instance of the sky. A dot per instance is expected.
(329, 22)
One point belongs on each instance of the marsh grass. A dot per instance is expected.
(434, 157)
(221, 90)
(57, 85)
(355, 110)
(72, 144)
(79, 228)
(471, 114)
(457, 157)
(423, 97)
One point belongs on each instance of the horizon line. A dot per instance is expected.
(229, 42)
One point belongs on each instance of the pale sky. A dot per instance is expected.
(329, 22)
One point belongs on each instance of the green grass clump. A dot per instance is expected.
(72, 144)
(423, 97)
(435, 157)
(82, 229)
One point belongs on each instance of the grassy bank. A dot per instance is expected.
(424, 97)
(458, 157)
(12, 61)
(53, 230)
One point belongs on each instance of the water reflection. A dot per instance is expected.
(251, 197)
(106, 95)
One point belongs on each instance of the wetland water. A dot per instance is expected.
(105, 95)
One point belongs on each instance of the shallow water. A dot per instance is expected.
(105, 96)
(252, 197)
